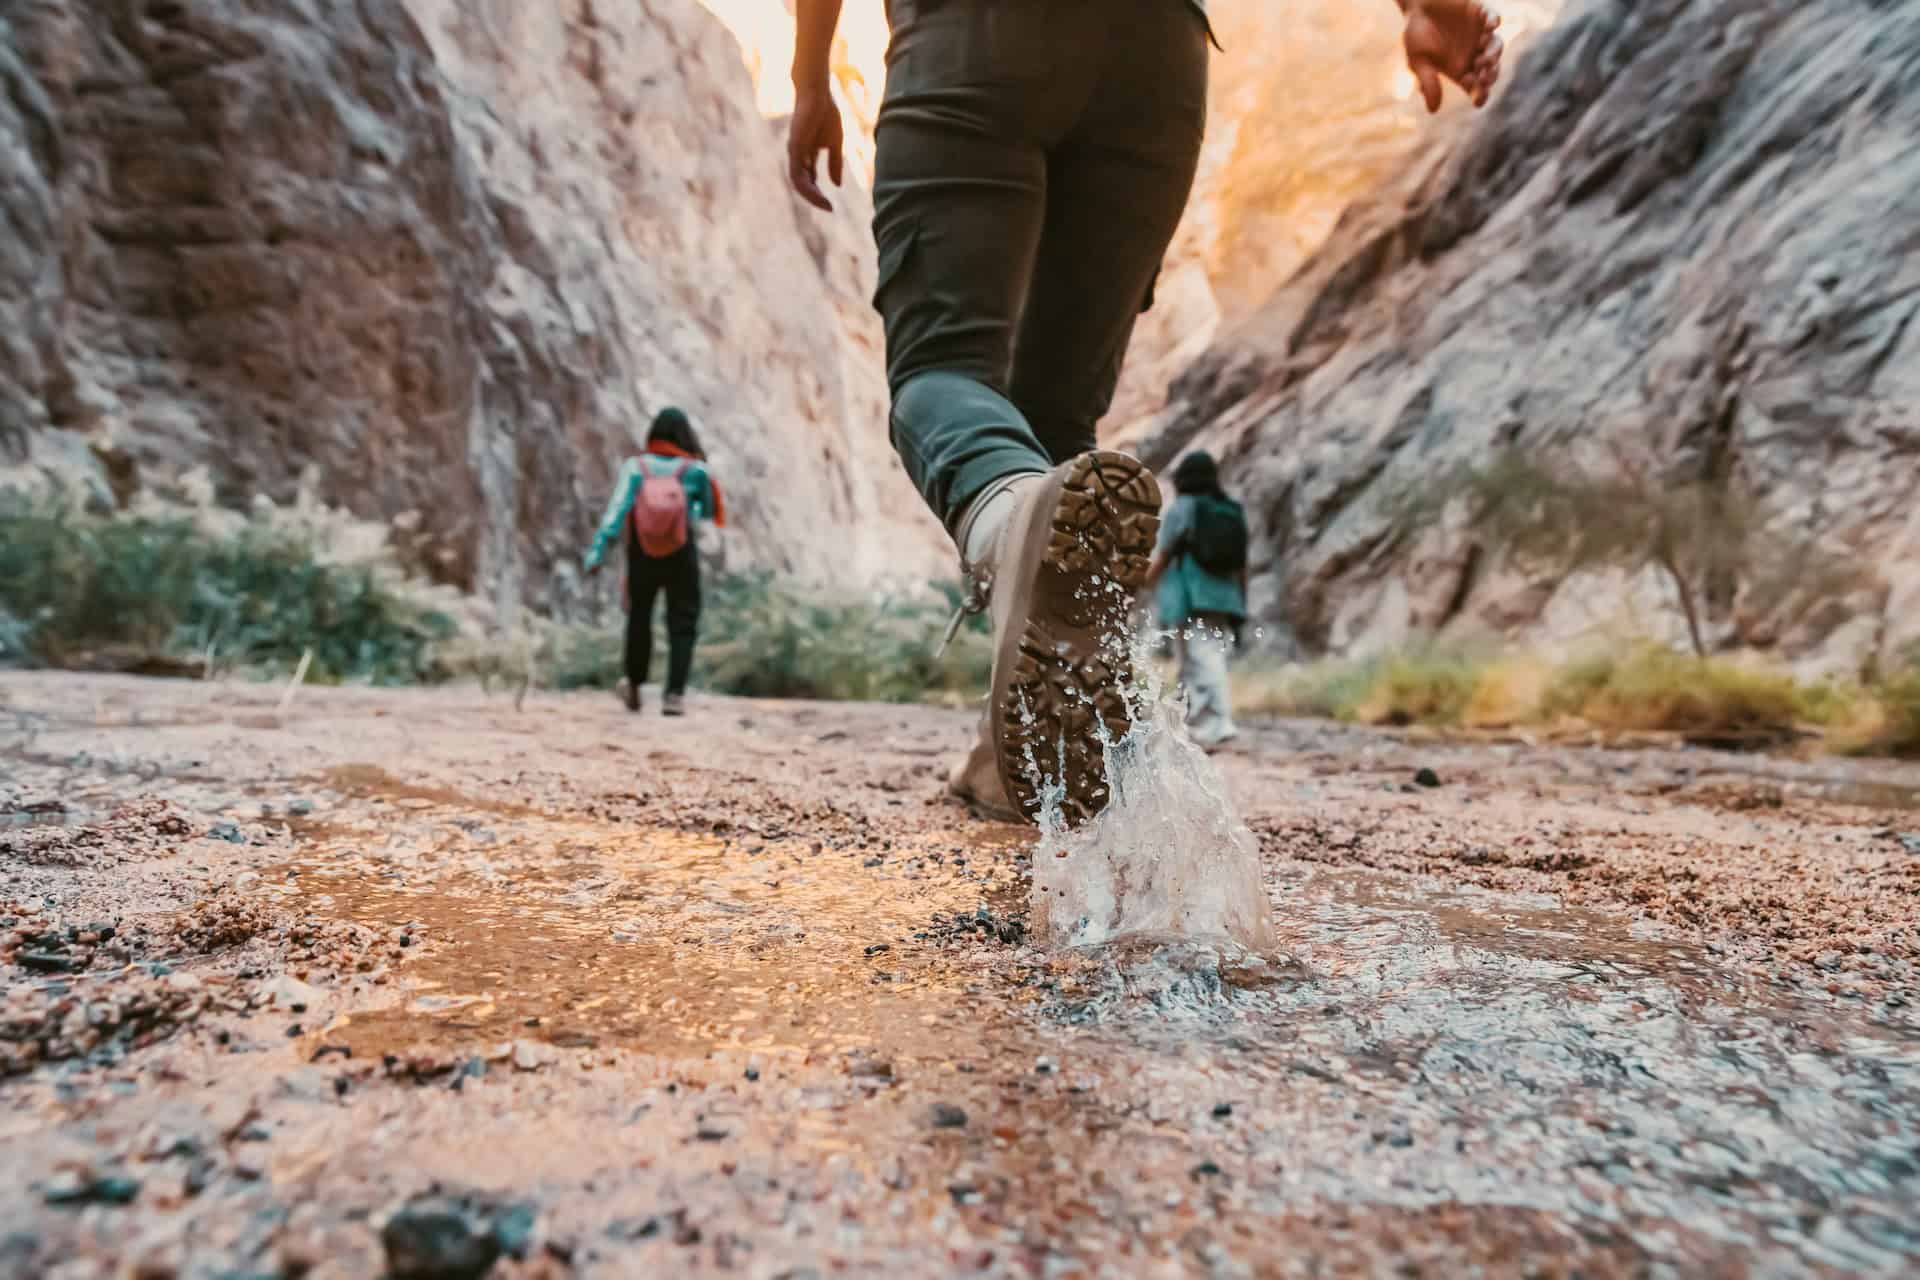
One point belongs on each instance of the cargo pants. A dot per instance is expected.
(1033, 161)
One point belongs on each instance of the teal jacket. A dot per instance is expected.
(1186, 590)
(703, 498)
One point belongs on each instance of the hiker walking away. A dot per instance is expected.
(1033, 159)
(656, 501)
(1200, 572)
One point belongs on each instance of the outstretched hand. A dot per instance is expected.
(815, 127)
(1454, 39)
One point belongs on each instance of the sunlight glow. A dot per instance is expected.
(764, 29)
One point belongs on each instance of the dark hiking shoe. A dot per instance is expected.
(1064, 574)
(630, 694)
(673, 704)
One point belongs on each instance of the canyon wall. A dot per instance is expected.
(446, 259)
(1685, 231)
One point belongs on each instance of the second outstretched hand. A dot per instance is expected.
(1453, 40)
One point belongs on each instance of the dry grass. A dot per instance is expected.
(1653, 689)
(1647, 690)
(1508, 692)
(1886, 723)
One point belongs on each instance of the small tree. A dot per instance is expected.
(1713, 539)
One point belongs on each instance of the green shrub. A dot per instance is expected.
(1419, 689)
(1330, 689)
(139, 590)
(762, 638)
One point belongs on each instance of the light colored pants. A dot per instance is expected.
(1204, 647)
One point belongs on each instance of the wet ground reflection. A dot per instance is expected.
(1408, 1052)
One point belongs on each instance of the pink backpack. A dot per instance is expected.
(660, 511)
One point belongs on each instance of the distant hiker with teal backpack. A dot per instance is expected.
(657, 500)
(1200, 568)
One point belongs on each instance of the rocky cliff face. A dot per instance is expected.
(451, 257)
(1687, 228)
(1311, 108)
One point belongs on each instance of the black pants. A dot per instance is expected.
(679, 576)
(1034, 157)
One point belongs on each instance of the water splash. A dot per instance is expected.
(1168, 858)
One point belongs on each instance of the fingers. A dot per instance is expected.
(802, 159)
(1484, 74)
(1429, 80)
(836, 159)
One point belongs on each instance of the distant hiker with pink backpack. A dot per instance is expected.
(657, 500)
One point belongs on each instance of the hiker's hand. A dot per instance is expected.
(815, 127)
(1454, 39)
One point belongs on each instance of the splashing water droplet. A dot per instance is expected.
(1169, 856)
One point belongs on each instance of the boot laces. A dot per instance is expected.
(979, 595)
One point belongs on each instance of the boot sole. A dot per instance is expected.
(1065, 679)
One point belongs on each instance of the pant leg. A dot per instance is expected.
(1187, 670)
(643, 585)
(683, 615)
(976, 95)
(1117, 186)
(1204, 672)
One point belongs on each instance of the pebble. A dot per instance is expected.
(290, 993)
(1397, 1136)
(454, 1237)
(529, 1056)
(72, 1187)
(870, 1069)
(1426, 778)
(944, 1115)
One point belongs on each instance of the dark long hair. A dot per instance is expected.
(670, 426)
(1198, 474)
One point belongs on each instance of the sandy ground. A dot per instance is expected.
(414, 981)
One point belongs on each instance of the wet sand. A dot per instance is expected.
(744, 994)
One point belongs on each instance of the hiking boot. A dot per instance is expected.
(630, 694)
(674, 704)
(1060, 577)
(975, 781)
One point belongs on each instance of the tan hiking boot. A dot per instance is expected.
(673, 704)
(975, 781)
(630, 694)
(1063, 574)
